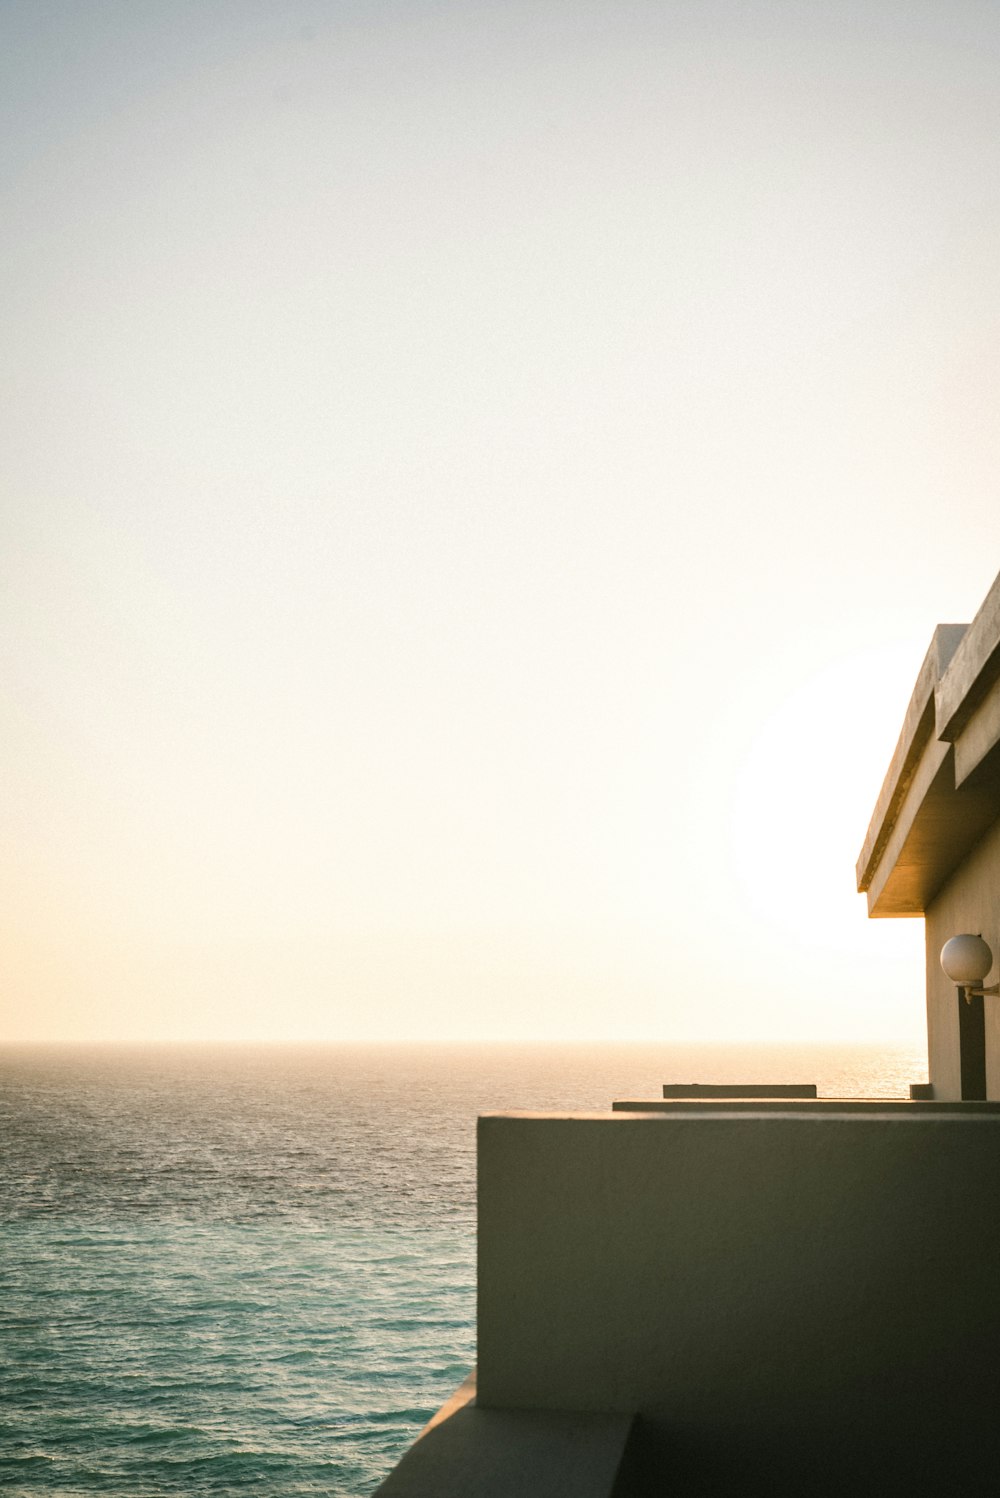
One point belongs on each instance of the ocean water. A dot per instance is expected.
(228, 1270)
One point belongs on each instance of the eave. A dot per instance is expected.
(942, 789)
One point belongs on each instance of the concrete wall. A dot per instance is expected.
(792, 1302)
(970, 901)
(933, 842)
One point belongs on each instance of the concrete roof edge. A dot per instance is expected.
(858, 1113)
(918, 729)
(973, 668)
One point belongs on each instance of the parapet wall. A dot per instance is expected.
(789, 1301)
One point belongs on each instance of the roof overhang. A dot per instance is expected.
(942, 789)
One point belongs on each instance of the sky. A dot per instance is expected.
(477, 483)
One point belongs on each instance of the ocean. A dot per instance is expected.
(226, 1270)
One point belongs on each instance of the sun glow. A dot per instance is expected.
(461, 473)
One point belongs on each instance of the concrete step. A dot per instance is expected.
(469, 1452)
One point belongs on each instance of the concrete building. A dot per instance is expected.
(765, 1293)
(933, 844)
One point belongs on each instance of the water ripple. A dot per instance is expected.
(228, 1271)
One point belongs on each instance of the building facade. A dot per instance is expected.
(770, 1293)
(933, 844)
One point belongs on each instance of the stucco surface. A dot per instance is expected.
(792, 1301)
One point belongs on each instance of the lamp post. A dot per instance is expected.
(966, 960)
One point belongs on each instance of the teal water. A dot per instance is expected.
(232, 1270)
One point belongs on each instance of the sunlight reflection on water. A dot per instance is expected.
(254, 1269)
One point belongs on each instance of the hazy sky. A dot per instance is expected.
(478, 482)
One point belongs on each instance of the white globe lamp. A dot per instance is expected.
(966, 960)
